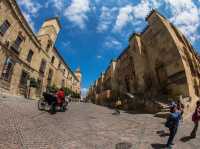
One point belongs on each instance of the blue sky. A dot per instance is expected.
(96, 31)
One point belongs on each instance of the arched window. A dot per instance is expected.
(52, 59)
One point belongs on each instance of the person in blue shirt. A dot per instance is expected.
(173, 123)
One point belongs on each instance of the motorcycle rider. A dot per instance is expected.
(60, 97)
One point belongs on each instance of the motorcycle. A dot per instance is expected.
(49, 103)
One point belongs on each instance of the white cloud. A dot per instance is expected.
(84, 91)
(29, 20)
(141, 10)
(185, 15)
(77, 12)
(99, 56)
(58, 4)
(30, 9)
(124, 17)
(66, 44)
(106, 18)
(112, 43)
(134, 13)
(30, 6)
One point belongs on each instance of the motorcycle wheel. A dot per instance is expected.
(63, 109)
(52, 109)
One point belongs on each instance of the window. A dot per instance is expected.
(52, 59)
(24, 78)
(30, 55)
(59, 64)
(49, 44)
(50, 75)
(16, 44)
(7, 69)
(42, 66)
(4, 27)
(63, 83)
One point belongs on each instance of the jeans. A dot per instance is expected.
(194, 131)
(172, 134)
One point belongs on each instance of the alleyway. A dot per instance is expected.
(83, 126)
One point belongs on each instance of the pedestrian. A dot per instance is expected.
(195, 119)
(180, 107)
(172, 123)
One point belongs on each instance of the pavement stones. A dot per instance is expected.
(84, 126)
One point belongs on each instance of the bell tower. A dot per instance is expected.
(78, 74)
(48, 33)
(79, 77)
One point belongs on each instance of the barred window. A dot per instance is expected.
(15, 46)
(4, 27)
(30, 55)
(7, 69)
(52, 59)
(24, 78)
(42, 66)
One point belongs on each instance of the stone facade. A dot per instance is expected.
(159, 64)
(25, 55)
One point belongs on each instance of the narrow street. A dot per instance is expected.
(83, 126)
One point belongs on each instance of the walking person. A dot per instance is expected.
(172, 123)
(195, 119)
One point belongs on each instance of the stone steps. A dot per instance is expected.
(164, 110)
(162, 114)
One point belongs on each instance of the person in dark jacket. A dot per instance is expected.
(195, 119)
(173, 123)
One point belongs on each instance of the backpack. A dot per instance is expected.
(169, 123)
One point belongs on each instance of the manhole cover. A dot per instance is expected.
(92, 117)
(123, 145)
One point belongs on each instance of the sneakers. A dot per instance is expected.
(169, 146)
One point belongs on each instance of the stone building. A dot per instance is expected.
(159, 64)
(25, 56)
(78, 75)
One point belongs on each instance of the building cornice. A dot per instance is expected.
(23, 22)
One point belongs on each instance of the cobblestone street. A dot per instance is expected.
(83, 126)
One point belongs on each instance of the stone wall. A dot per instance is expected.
(159, 64)
(10, 11)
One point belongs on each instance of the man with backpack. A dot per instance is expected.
(172, 123)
